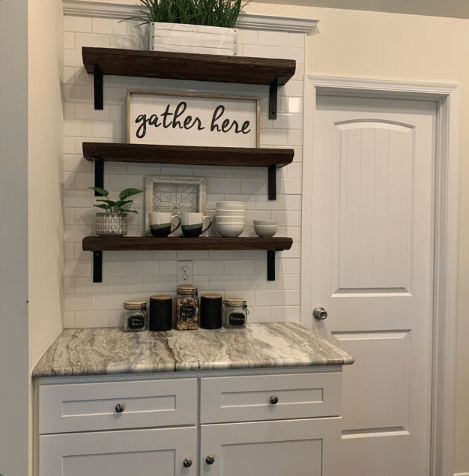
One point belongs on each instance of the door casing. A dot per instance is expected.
(447, 97)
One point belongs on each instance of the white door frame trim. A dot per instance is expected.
(448, 98)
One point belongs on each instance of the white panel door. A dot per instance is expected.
(119, 453)
(372, 260)
(305, 447)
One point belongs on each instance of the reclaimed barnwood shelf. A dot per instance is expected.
(188, 155)
(200, 67)
(98, 244)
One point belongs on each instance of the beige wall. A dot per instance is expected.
(407, 48)
(44, 125)
(45, 217)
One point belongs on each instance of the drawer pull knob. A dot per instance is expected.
(119, 408)
(274, 400)
(187, 463)
(210, 459)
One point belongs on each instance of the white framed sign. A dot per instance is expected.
(195, 119)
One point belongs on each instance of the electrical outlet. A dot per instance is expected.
(184, 272)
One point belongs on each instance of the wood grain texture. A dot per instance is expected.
(187, 155)
(200, 67)
(116, 243)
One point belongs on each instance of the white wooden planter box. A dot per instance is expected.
(184, 38)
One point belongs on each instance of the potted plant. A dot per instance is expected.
(192, 26)
(114, 220)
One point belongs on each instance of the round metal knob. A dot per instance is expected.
(319, 313)
(274, 400)
(187, 463)
(119, 408)
(210, 459)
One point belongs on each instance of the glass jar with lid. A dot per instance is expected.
(187, 308)
(236, 313)
(135, 316)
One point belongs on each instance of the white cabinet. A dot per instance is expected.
(149, 452)
(271, 448)
(220, 423)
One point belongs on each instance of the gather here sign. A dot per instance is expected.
(174, 118)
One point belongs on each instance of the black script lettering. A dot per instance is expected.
(165, 115)
(227, 125)
(188, 125)
(153, 121)
(180, 108)
(142, 130)
(244, 127)
(219, 111)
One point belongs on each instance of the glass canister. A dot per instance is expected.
(187, 308)
(236, 312)
(135, 316)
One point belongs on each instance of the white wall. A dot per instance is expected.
(14, 238)
(138, 274)
(409, 48)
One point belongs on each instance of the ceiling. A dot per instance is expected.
(439, 8)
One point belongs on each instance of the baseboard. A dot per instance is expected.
(461, 474)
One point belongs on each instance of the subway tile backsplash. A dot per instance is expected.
(140, 274)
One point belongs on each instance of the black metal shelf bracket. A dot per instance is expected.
(98, 173)
(97, 266)
(272, 182)
(98, 87)
(273, 96)
(270, 265)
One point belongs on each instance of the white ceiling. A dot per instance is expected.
(440, 8)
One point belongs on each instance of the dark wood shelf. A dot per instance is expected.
(187, 155)
(98, 244)
(271, 72)
(125, 243)
(101, 152)
(199, 67)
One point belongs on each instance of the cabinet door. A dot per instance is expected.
(274, 448)
(119, 453)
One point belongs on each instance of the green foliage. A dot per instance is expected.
(222, 13)
(116, 207)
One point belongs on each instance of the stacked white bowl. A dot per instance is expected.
(230, 218)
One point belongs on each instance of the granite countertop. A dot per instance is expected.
(110, 351)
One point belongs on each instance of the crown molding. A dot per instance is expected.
(247, 21)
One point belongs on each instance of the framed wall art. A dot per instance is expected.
(192, 119)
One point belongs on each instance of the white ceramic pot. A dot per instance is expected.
(198, 39)
(230, 213)
(114, 224)
(230, 230)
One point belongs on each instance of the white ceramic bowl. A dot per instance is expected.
(265, 222)
(265, 231)
(228, 205)
(230, 230)
(224, 219)
(230, 213)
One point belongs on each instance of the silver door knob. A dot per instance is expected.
(187, 463)
(319, 313)
(210, 459)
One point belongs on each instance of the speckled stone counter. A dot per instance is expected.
(110, 351)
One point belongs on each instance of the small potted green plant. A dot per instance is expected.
(114, 220)
(192, 26)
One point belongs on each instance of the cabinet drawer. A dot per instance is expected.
(230, 399)
(92, 406)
